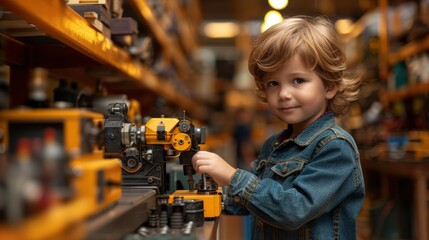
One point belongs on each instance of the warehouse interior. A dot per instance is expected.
(93, 81)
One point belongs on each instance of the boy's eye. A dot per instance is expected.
(298, 81)
(271, 83)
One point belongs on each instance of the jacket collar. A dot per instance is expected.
(312, 131)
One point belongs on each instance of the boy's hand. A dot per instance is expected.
(213, 165)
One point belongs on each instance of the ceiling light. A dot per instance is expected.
(271, 17)
(343, 26)
(221, 29)
(278, 4)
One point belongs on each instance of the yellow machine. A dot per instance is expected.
(62, 159)
(212, 200)
(180, 141)
(145, 150)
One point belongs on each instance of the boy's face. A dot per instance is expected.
(297, 95)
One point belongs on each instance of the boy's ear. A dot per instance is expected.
(331, 90)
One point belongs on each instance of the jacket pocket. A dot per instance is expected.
(288, 168)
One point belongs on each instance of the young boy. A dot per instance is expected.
(307, 182)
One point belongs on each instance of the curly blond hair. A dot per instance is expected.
(314, 39)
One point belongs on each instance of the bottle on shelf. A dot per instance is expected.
(56, 165)
(63, 95)
(23, 189)
(38, 88)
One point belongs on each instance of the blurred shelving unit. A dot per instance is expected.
(57, 20)
(384, 165)
(406, 51)
(388, 58)
(400, 94)
(409, 50)
(171, 48)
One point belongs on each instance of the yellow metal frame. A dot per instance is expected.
(134, 112)
(70, 117)
(55, 221)
(212, 202)
(86, 184)
(49, 223)
(88, 169)
(174, 138)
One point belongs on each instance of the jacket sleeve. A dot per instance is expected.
(319, 186)
(232, 201)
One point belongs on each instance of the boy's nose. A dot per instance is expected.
(284, 93)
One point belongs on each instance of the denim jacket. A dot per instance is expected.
(310, 187)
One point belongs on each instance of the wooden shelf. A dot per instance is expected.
(403, 93)
(170, 47)
(409, 50)
(59, 21)
(189, 33)
(405, 52)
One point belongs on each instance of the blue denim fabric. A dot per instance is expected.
(310, 187)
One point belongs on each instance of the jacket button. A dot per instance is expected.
(237, 199)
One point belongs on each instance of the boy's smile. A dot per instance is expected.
(297, 95)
